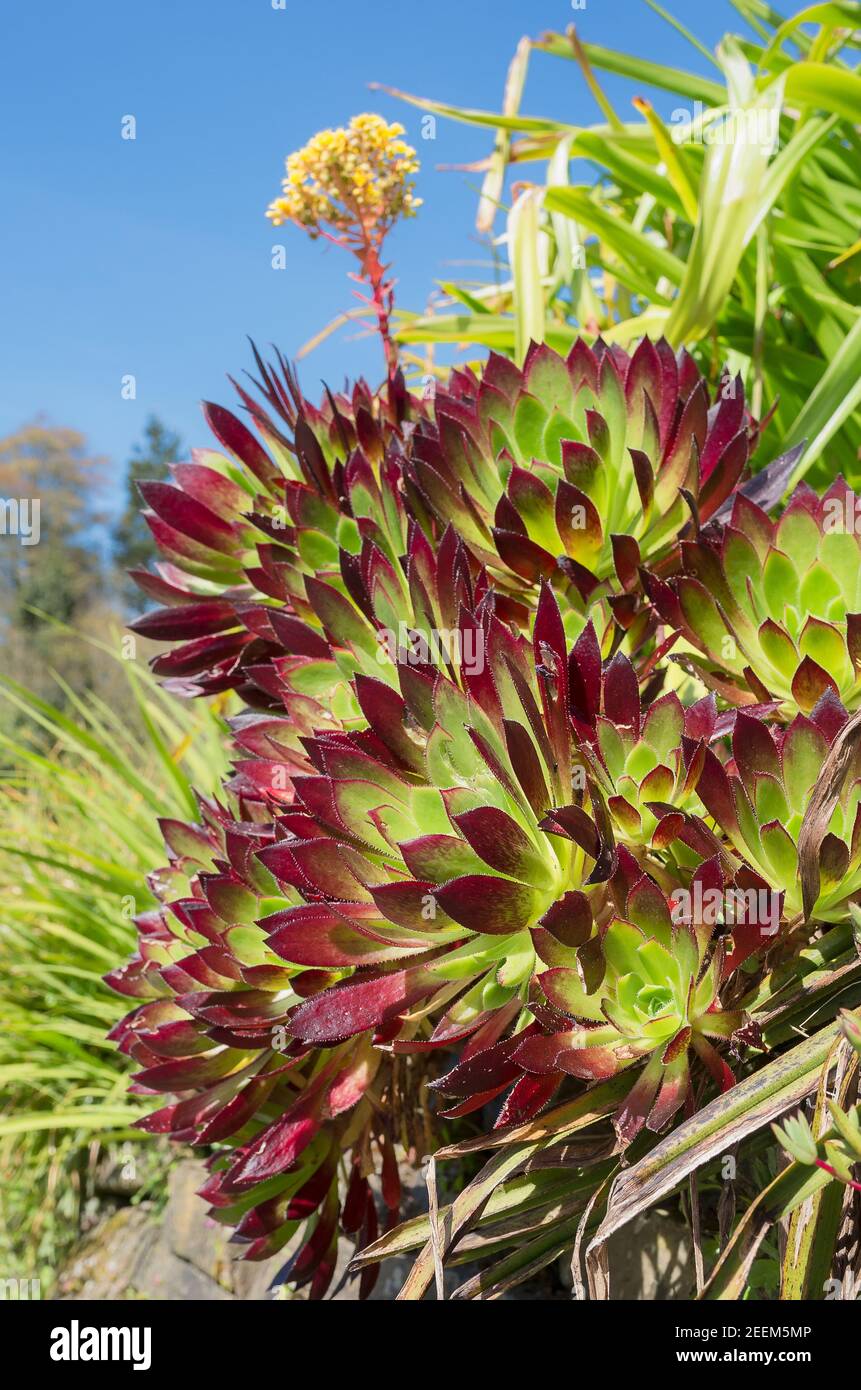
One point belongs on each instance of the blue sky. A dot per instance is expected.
(152, 257)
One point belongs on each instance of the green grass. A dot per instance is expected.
(744, 253)
(82, 787)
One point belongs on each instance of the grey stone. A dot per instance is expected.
(162, 1275)
(652, 1258)
(184, 1254)
(103, 1264)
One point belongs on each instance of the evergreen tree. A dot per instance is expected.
(133, 545)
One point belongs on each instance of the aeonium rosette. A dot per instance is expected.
(246, 533)
(379, 895)
(759, 800)
(209, 1031)
(643, 758)
(432, 822)
(772, 609)
(642, 989)
(579, 469)
(394, 614)
(269, 537)
(448, 828)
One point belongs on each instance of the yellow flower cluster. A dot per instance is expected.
(351, 179)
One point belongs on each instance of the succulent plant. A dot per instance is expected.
(837, 1152)
(772, 609)
(644, 761)
(470, 829)
(209, 1030)
(380, 892)
(434, 821)
(242, 531)
(522, 464)
(579, 469)
(642, 988)
(400, 887)
(760, 799)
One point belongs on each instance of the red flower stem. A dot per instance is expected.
(382, 299)
(820, 1163)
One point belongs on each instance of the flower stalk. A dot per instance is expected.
(351, 186)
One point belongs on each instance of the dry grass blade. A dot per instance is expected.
(696, 1232)
(436, 1243)
(791, 1187)
(465, 1210)
(518, 1145)
(591, 81)
(746, 1108)
(579, 1290)
(527, 1260)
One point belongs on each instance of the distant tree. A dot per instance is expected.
(133, 545)
(49, 523)
(52, 547)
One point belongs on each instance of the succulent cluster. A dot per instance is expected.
(761, 804)
(210, 1027)
(771, 608)
(649, 993)
(243, 531)
(580, 468)
(479, 833)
